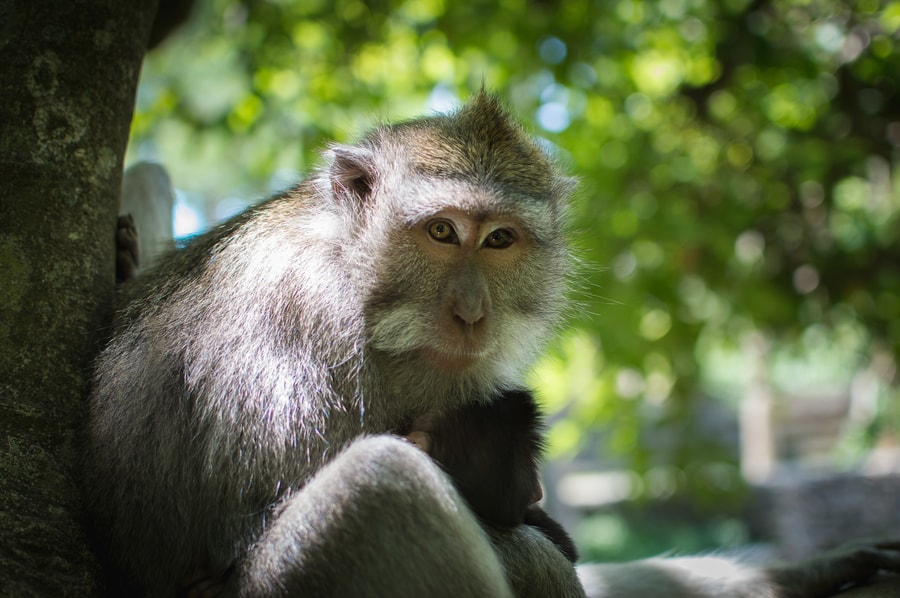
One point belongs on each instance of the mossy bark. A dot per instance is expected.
(68, 75)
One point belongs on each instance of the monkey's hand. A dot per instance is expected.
(421, 439)
(848, 565)
(127, 254)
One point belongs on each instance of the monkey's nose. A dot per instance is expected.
(468, 312)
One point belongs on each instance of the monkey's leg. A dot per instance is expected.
(380, 520)
(538, 518)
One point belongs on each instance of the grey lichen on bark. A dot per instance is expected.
(67, 86)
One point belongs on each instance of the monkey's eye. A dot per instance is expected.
(500, 239)
(441, 230)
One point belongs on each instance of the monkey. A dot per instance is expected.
(243, 416)
(147, 197)
(491, 451)
(255, 377)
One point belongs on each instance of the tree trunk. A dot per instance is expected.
(68, 75)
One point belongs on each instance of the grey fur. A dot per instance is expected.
(240, 414)
(248, 361)
(403, 543)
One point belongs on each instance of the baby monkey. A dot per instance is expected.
(491, 451)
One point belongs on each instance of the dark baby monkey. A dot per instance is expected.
(492, 452)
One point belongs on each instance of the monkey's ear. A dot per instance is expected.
(352, 172)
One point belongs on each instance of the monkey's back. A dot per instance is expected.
(208, 403)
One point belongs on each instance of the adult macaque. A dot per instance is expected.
(420, 271)
(242, 415)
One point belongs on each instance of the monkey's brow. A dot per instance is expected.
(528, 179)
(474, 211)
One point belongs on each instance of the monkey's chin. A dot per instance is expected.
(450, 362)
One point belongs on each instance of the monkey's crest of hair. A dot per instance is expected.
(481, 143)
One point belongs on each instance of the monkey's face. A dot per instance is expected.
(456, 249)
(462, 256)
(471, 286)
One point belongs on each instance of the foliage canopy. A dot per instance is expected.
(738, 163)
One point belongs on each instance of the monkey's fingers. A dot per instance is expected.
(538, 493)
(127, 252)
(421, 440)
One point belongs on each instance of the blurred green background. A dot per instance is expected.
(736, 224)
